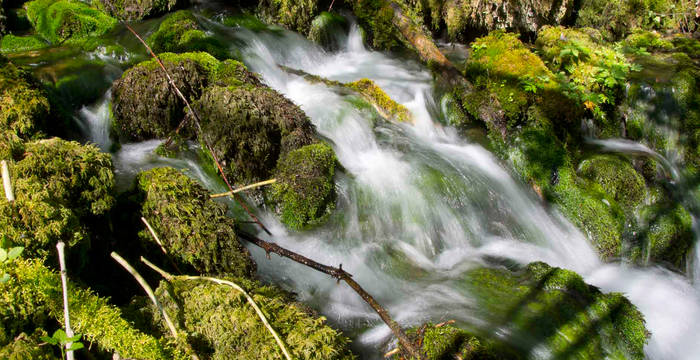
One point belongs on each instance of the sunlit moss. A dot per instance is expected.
(61, 20)
(180, 32)
(389, 108)
(24, 106)
(295, 15)
(11, 43)
(25, 346)
(617, 177)
(376, 17)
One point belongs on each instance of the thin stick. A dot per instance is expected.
(197, 122)
(7, 182)
(247, 187)
(64, 281)
(146, 288)
(157, 240)
(235, 286)
(339, 274)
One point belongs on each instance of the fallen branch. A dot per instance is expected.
(255, 306)
(157, 240)
(339, 274)
(64, 282)
(247, 187)
(6, 181)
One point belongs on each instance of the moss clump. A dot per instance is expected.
(250, 127)
(60, 188)
(194, 228)
(647, 41)
(61, 20)
(24, 106)
(143, 104)
(617, 177)
(449, 342)
(384, 104)
(305, 191)
(12, 44)
(180, 32)
(326, 28)
(295, 15)
(376, 17)
(227, 327)
(669, 234)
(27, 347)
(556, 307)
(137, 9)
(32, 297)
(688, 46)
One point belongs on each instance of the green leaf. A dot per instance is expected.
(15, 252)
(4, 278)
(3, 255)
(76, 346)
(75, 338)
(49, 340)
(60, 335)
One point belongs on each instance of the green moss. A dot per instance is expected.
(617, 177)
(11, 146)
(295, 15)
(376, 17)
(248, 22)
(227, 327)
(647, 41)
(556, 307)
(194, 228)
(129, 10)
(32, 297)
(24, 106)
(180, 32)
(617, 18)
(60, 187)
(670, 235)
(234, 73)
(687, 45)
(11, 43)
(325, 29)
(384, 104)
(62, 20)
(28, 347)
(449, 342)
(143, 104)
(305, 191)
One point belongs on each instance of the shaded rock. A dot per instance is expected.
(180, 32)
(193, 228)
(130, 10)
(669, 235)
(617, 177)
(59, 21)
(448, 341)
(327, 28)
(295, 15)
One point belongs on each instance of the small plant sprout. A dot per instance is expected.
(7, 256)
(64, 342)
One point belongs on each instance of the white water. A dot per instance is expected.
(418, 206)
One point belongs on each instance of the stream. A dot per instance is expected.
(418, 205)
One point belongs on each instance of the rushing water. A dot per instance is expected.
(418, 206)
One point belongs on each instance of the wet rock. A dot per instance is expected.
(193, 228)
(130, 10)
(295, 15)
(326, 28)
(617, 177)
(445, 341)
(180, 32)
(668, 236)
(59, 21)
(144, 105)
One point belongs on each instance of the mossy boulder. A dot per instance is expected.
(33, 298)
(376, 18)
(385, 105)
(193, 228)
(326, 28)
(669, 234)
(227, 327)
(59, 21)
(61, 187)
(295, 15)
(180, 32)
(554, 307)
(250, 127)
(12, 44)
(24, 106)
(304, 194)
(144, 105)
(617, 177)
(642, 41)
(130, 10)
(446, 341)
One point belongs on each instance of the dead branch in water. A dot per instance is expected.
(197, 122)
(243, 188)
(339, 274)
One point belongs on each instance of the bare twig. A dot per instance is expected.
(162, 247)
(391, 353)
(64, 282)
(7, 183)
(272, 331)
(247, 187)
(339, 274)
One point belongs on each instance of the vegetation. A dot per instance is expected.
(180, 32)
(24, 106)
(136, 9)
(295, 15)
(59, 21)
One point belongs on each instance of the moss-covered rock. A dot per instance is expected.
(385, 105)
(144, 105)
(295, 15)
(669, 235)
(59, 21)
(225, 326)
(60, 187)
(445, 341)
(555, 307)
(24, 106)
(130, 10)
(617, 177)
(180, 32)
(642, 41)
(11, 43)
(25, 346)
(305, 191)
(326, 29)
(193, 228)
(376, 18)
(250, 127)
(32, 298)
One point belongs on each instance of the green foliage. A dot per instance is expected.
(227, 327)
(7, 256)
(180, 32)
(12, 44)
(61, 340)
(376, 17)
(305, 191)
(556, 307)
(193, 228)
(449, 341)
(24, 106)
(25, 346)
(129, 10)
(59, 21)
(295, 15)
(325, 28)
(384, 104)
(641, 41)
(617, 177)
(33, 296)
(669, 236)
(60, 188)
